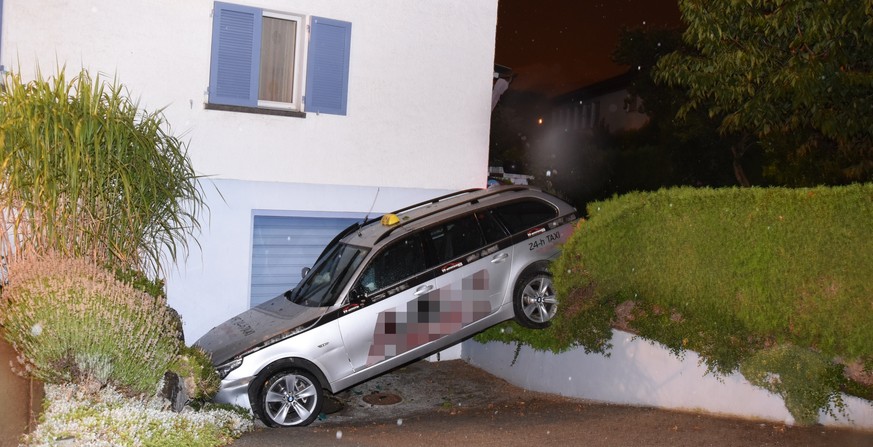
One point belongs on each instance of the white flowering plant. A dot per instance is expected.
(109, 418)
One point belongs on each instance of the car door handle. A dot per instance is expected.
(422, 290)
(499, 258)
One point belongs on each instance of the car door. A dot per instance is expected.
(381, 321)
(473, 258)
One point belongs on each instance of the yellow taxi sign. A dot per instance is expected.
(390, 219)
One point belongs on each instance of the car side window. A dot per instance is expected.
(491, 229)
(520, 216)
(401, 260)
(455, 238)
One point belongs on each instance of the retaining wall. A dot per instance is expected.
(639, 372)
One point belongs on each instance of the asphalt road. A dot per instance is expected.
(457, 405)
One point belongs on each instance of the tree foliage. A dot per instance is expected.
(86, 173)
(777, 69)
(667, 151)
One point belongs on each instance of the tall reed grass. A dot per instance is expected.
(86, 172)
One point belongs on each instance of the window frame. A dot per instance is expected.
(320, 79)
(297, 76)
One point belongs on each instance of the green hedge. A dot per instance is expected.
(728, 273)
(788, 265)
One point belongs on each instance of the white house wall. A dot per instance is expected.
(417, 123)
(419, 85)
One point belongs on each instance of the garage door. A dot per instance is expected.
(282, 246)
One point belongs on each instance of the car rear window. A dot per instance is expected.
(520, 216)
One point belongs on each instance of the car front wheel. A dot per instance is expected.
(290, 398)
(534, 301)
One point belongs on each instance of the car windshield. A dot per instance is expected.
(327, 278)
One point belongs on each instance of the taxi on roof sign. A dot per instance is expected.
(390, 219)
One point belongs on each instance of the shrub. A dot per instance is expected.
(580, 322)
(194, 367)
(71, 321)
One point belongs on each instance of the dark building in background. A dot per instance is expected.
(606, 102)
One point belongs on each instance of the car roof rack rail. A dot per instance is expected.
(486, 193)
(436, 200)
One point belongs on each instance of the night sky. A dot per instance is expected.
(555, 46)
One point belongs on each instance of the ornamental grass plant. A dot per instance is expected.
(86, 172)
(96, 195)
(74, 322)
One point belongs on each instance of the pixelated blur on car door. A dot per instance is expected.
(382, 322)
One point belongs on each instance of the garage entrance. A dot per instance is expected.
(283, 245)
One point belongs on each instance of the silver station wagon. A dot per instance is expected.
(392, 290)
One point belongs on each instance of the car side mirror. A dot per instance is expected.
(355, 295)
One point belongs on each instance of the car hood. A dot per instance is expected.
(258, 326)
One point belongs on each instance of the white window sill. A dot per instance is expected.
(257, 110)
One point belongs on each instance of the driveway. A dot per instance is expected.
(454, 404)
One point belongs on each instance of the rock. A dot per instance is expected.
(174, 391)
(177, 322)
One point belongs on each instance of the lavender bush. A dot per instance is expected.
(72, 321)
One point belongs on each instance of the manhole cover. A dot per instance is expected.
(382, 399)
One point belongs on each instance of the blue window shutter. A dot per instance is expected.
(236, 54)
(327, 71)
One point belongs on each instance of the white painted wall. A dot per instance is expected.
(419, 89)
(638, 372)
(417, 123)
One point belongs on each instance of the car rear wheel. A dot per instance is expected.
(290, 398)
(534, 301)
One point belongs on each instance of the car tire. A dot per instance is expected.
(534, 300)
(290, 398)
